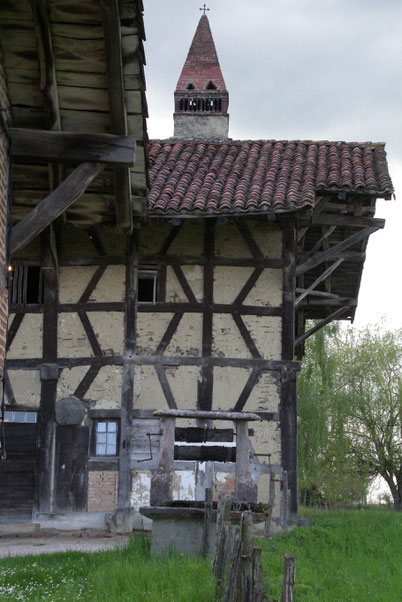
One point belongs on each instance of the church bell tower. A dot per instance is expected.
(201, 98)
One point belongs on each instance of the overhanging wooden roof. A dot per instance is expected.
(74, 66)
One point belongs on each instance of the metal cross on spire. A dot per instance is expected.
(205, 8)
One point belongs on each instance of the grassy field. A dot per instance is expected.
(348, 556)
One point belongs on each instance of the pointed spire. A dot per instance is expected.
(201, 98)
(202, 64)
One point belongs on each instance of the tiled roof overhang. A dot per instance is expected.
(205, 177)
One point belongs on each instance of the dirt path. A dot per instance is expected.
(21, 546)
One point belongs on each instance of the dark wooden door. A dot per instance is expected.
(17, 472)
(71, 469)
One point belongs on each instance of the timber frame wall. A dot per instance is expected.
(99, 251)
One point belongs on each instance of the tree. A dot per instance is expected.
(350, 390)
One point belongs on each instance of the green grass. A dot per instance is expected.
(343, 556)
(124, 574)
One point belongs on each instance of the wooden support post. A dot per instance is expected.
(49, 376)
(221, 546)
(288, 406)
(288, 588)
(245, 487)
(206, 386)
(207, 522)
(127, 392)
(162, 479)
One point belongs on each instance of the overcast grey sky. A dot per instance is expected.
(300, 69)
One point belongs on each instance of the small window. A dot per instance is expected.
(25, 284)
(211, 86)
(30, 417)
(105, 438)
(147, 286)
(190, 86)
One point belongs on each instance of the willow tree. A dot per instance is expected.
(350, 413)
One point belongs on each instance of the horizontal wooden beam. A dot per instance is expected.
(212, 453)
(53, 205)
(72, 147)
(336, 314)
(330, 302)
(319, 258)
(333, 219)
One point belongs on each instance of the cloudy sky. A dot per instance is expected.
(300, 69)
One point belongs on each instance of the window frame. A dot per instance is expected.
(150, 273)
(95, 432)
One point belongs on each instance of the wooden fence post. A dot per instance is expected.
(207, 522)
(222, 544)
(271, 502)
(288, 588)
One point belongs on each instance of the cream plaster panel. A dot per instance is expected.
(150, 330)
(26, 386)
(152, 237)
(187, 340)
(140, 488)
(105, 391)
(229, 241)
(189, 240)
(28, 340)
(183, 486)
(227, 340)
(109, 330)
(265, 396)
(174, 292)
(268, 238)
(228, 384)
(111, 287)
(183, 381)
(195, 278)
(267, 291)
(69, 379)
(73, 281)
(228, 282)
(148, 394)
(266, 332)
(72, 339)
(267, 440)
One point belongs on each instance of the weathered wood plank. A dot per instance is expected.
(336, 314)
(318, 280)
(200, 435)
(48, 81)
(210, 453)
(332, 219)
(53, 205)
(72, 147)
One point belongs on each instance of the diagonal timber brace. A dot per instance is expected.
(319, 258)
(318, 280)
(334, 316)
(53, 205)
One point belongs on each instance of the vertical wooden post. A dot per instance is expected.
(207, 522)
(288, 588)
(221, 546)
(162, 479)
(48, 374)
(245, 487)
(127, 392)
(271, 502)
(206, 387)
(288, 409)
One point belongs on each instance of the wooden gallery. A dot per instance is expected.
(173, 275)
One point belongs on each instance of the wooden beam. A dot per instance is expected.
(330, 219)
(319, 258)
(72, 147)
(117, 103)
(48, 82)
(53, 205)
(318, 280)
(329, 301)
(336, 314)
(318, 293)
(321, 241)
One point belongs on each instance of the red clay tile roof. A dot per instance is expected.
(202, 64)
(234, 177)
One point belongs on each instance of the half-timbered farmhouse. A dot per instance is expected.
(178, 276)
